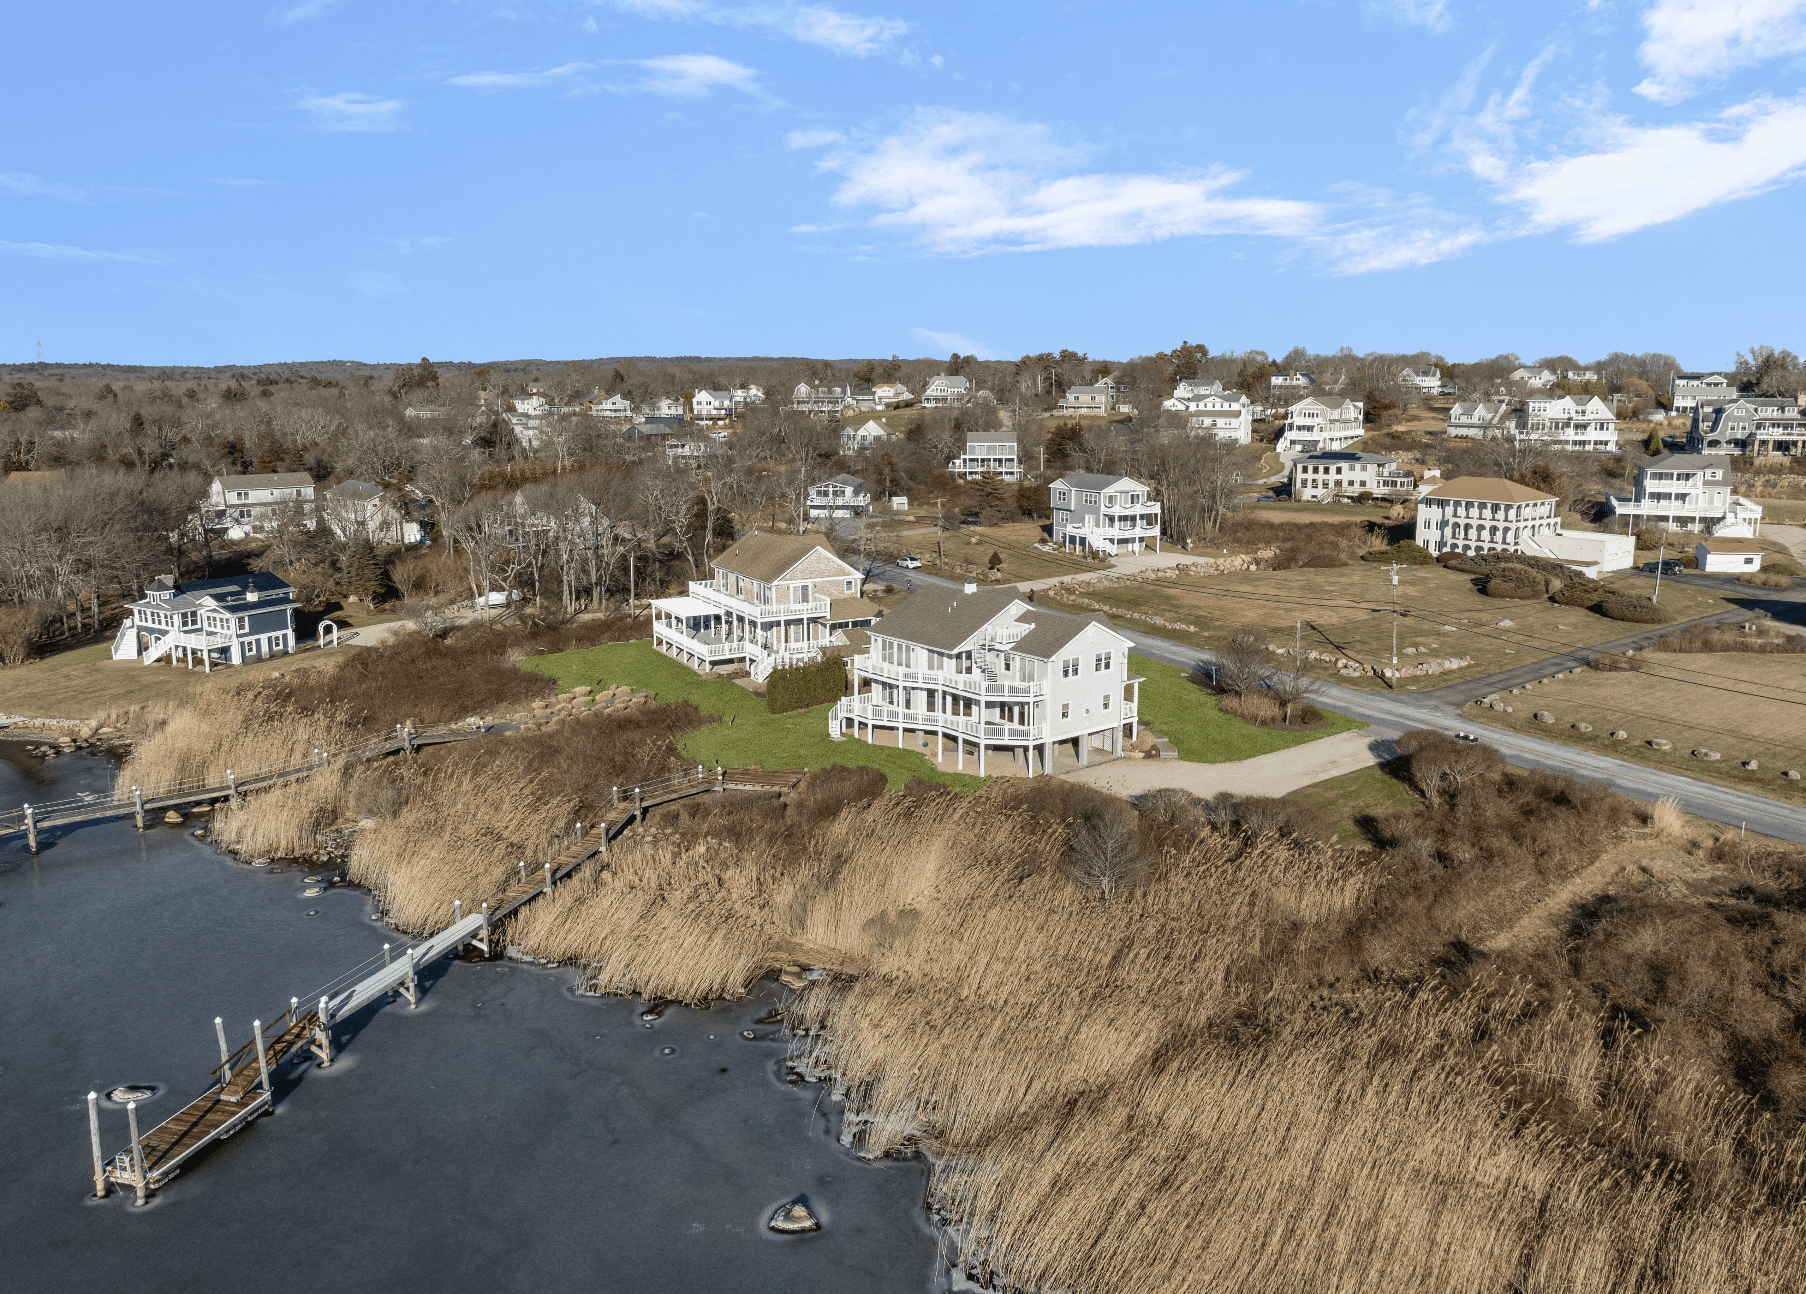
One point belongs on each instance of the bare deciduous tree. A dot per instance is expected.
(1104, 857)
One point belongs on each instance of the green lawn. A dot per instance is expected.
(1187, 716)
(1366, 792)
(756, 738)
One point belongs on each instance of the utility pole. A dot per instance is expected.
(938, 560)
(1394, 568)
(1661, 553)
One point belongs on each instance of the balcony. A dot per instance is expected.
(974, 684)
(705, 591)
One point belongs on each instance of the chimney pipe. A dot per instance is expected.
(971, 586)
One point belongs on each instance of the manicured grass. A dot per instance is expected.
(1786, 512)
(1746, 713)
(87, 683)
(1347, 610)
(1187, 716)
(1366, 792)
(755, 738)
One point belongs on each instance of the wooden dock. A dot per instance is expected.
(242, 1087)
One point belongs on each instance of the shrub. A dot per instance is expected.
(1406, 552)
(1449, 558)
(1634, 609)
(797, 687)
(1617, 662)
(1780, 568)
(1766, 580)
(20, 625)
(1579, 593)
(1518, 583)
(1255, 707)
(1651, 539)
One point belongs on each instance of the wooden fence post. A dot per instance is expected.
(100, 1172)
(138, 806)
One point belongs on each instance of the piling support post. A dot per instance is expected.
(138, 1182)
(548, 877)
(231, 787)
(323, 1037)
(31, 829)
(263, 1061)
(293, 1004)
(385, 965)
(484, 938)
(412, 984)
(523, 871)
(639, 806)
(615, 798)
(100, 1172)
(225, 1057)
(138, 806)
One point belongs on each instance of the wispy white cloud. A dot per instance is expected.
(692, 75)
(1637, 176)
(519, 80)
(968, 183)
(306, 11)
(951, 342)
(20, 185)
(811, 229)
(1691, 44)
(812, 138)
(52, 251)
(408, 246)
(1433, 14)
(844, 33)
(353, 112)
(243, 182)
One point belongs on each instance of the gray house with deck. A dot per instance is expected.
(212, 622)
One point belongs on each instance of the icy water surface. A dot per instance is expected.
(507, 1135)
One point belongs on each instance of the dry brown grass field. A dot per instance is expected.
(1530, 1037)
(967, 552)
(1347, 610)
(1744, 707)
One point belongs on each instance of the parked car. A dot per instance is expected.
(909, 562)
(1669, 567)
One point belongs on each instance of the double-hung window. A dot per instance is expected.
(1102, 664)
(1069, 667)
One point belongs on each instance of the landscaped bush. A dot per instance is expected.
(1579, 593)
(1448, 558)
(797, 687)
(1255, 707)
(1406, 552)
(1633, 608)
(1518, 583)
(1651, 539)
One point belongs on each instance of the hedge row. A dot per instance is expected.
(798, 687)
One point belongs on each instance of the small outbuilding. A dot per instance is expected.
(1730, 556)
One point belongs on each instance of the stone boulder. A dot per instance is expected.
(1661, 743)
(1620, 735)
(793, 1218)
(1792, 775)
(1750, 764)
(1543, 716)
(1583, 727)
(1703, 753)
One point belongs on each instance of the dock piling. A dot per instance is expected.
(548, 877)
(323, 1037)
(411, 988)
(484, 944)
(385, 964)
(293, 1004)
(263, 1060)
(100, 1172)
(231, 787)
(31, 830)
(225, 1056)
(138, 806)
(138, 1182)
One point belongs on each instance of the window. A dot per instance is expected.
(1106, 701)
(739, 587)
(1102, 663)
(802, 593)
(846, 586)
(1066, 709)
(1069, 668)
(1060, 496)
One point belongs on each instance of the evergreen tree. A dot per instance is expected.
(364, 572)
(1655, 441)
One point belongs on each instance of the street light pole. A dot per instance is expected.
(1394, 568)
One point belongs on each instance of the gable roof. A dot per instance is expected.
(990, 437)
(229, 592)
(1685, 462)
(355, 490)
(1490, 489)
(1729, 546)
(769, 557)
(267, 481)
(846, 479)
(1097, 481)
(943, 619)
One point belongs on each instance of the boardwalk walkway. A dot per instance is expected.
(242, 1086)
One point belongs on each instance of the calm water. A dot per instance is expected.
(507, 1135)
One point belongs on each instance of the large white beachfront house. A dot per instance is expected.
(775, 600)
(1344, 473)
(1314, 425)
(212, 622)
(1106, 514)
(1482, 514)
(989, 670)
(988, 453)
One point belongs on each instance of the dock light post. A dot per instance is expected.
(100, 1172)
(131, 1114)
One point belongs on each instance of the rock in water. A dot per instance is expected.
(793, 1218)
(173, 818)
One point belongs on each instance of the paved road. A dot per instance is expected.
(1397, 711)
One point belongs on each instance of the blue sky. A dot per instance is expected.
(334, 179)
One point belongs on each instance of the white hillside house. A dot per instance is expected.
(1344, 473)
(259, 503)
(1424, 377)
(1315, 424)
(854, 439)
(1482, 514)
(990, 674)
(1482, 419)
(1105, 514)
(774, 600)
(839, 496)
(946, 392)
(209, 622)
(1687, 492)
(712, 406)
(988, 453)
(1227, 415)
(1586, 423)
